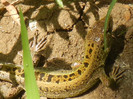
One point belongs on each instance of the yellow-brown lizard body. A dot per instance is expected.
(76, 82)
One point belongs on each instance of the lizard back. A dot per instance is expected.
(78, 81)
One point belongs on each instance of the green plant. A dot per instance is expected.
(30, 81)
(106, 23)
(60, 3)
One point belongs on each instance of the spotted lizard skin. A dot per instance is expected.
(76, 82)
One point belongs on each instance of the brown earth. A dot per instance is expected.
(66, 29)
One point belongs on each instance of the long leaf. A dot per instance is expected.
(30, 81)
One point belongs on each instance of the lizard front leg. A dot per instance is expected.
(114, 76)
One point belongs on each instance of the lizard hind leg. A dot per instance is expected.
(9, 65)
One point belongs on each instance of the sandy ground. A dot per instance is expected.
(66, 29)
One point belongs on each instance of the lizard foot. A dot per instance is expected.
(37, 47)
(116, 75)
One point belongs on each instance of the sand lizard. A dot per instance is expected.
(76, 82)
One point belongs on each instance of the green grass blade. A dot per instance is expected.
(60, 3)
(30, 81)
(106, 23)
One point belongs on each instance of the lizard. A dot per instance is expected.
(71, 84)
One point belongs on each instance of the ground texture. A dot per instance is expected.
(66, 29)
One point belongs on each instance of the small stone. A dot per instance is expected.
(127, 15)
